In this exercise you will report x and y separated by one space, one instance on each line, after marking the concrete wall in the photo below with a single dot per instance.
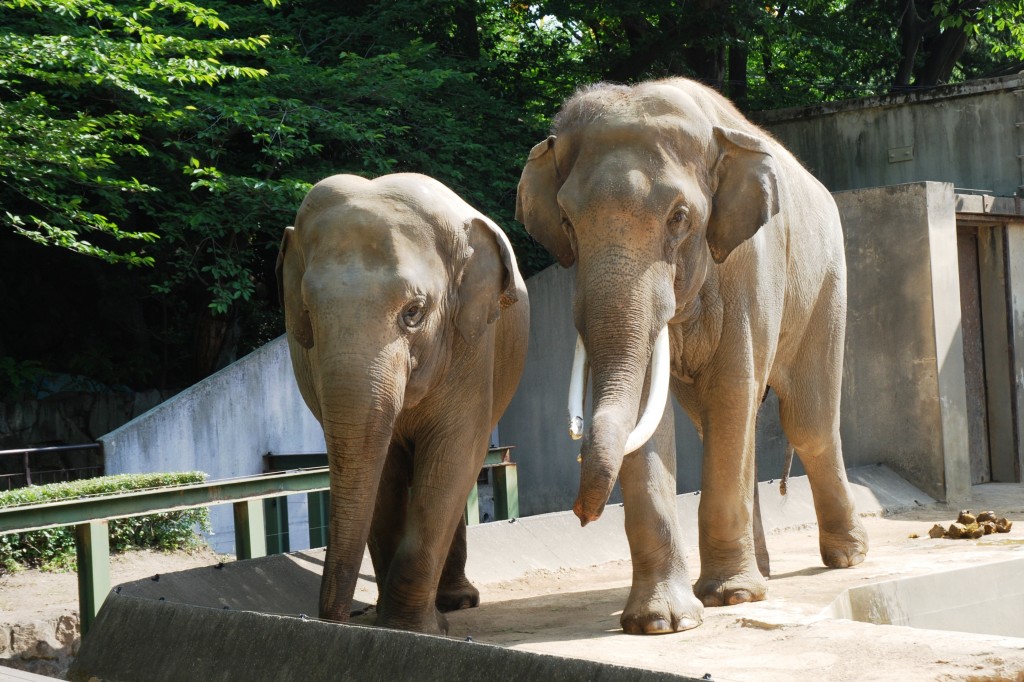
904 400
967 134
223 426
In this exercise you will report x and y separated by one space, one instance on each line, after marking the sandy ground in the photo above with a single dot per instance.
28 594
788 637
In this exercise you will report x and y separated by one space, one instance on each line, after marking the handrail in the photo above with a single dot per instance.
52 448
27 452
105 507
91 516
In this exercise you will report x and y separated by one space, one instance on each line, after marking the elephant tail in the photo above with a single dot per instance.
786 466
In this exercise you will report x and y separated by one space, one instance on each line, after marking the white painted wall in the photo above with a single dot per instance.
224 425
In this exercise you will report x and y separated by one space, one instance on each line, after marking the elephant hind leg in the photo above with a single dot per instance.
809 412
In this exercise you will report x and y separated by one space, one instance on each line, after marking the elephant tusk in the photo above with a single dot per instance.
656 397
577 387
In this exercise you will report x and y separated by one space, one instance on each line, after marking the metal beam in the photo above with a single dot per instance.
19 519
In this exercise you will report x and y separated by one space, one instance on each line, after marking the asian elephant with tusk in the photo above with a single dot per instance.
407 322
700 240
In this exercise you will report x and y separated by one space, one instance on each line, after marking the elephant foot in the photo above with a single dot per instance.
460 594
433 622
661 608
724 588
844 548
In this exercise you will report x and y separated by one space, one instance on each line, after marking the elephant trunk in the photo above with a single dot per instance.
358 416
619 348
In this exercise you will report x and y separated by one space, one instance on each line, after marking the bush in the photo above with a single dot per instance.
54 548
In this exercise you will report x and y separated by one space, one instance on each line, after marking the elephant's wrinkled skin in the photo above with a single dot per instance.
678 211
407 324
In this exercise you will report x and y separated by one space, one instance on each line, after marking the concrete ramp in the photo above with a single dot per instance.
161 641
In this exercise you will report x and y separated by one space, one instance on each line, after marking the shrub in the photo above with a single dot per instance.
54 548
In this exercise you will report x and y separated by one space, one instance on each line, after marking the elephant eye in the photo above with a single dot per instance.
413 314
679 217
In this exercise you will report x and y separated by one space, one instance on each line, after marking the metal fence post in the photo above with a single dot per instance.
92 546
250 529
506 491
472 512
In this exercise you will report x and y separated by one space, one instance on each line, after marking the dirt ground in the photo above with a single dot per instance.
785 638
27 594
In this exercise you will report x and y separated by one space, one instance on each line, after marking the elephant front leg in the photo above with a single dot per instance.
729 572
444 471
660 598
347 536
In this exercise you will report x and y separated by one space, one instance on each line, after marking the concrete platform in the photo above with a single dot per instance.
554 590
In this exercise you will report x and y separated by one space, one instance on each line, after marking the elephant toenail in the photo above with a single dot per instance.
657 627
687 624
739 597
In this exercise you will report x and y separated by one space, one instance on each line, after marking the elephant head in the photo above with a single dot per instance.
647 190
385 283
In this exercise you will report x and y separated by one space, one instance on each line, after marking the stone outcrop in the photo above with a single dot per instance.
45 644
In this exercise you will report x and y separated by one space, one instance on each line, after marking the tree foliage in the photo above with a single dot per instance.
178 139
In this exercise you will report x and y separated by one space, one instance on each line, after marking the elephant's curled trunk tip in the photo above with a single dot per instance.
584 515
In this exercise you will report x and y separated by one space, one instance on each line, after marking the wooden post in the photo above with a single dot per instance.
92 547
250 529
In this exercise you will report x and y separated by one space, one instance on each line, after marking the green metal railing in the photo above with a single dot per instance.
91 515
498 464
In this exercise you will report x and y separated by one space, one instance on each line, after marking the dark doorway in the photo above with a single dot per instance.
974 354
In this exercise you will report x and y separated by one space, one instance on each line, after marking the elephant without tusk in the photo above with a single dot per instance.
407 322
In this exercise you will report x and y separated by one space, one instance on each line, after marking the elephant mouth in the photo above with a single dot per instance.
657 394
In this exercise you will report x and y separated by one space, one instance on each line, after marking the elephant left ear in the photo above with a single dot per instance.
747 194
490 277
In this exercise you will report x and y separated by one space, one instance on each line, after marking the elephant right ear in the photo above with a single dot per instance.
537 203
289 291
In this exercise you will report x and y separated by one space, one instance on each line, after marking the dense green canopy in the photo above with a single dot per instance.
151 151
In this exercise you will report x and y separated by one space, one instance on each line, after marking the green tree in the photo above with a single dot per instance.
79 79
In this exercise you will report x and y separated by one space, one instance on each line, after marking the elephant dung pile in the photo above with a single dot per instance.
969 526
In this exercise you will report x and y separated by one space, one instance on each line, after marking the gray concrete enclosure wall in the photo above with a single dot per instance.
904 401
967 134
224 425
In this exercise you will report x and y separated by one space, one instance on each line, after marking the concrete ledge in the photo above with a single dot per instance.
555 541
141 639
